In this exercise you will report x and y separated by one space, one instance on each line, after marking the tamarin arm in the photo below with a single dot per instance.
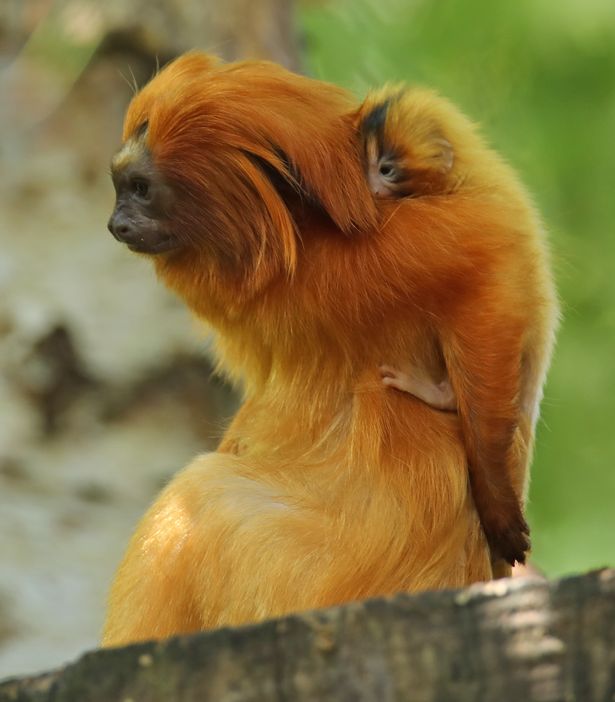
484 368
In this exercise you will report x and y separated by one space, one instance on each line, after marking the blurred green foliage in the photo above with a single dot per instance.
540 77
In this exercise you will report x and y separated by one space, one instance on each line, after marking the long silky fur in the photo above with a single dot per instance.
327 486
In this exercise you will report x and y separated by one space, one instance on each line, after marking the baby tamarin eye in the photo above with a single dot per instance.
386 177
383 172
387 171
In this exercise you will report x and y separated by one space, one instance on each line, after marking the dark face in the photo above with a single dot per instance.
143 206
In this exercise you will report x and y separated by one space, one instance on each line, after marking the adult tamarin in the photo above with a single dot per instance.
245 184
414 149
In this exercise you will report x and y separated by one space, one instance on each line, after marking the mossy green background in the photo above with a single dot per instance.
539 75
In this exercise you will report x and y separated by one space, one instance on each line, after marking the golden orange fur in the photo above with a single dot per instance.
327 487
417 145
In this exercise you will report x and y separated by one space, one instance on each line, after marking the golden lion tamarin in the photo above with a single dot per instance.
246 186
412 150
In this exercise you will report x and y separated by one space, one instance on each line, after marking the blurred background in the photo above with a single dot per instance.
105 383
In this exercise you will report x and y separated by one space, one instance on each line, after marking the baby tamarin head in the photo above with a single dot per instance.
407 148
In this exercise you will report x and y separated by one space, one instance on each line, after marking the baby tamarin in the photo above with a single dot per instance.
410 151
407 155
245 186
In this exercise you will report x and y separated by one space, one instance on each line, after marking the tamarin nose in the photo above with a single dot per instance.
119 226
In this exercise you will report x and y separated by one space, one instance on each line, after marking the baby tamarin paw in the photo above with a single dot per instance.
413 381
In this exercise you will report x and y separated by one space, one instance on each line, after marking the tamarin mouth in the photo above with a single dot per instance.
145 246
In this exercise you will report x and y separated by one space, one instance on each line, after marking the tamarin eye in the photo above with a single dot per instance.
388 171
140 187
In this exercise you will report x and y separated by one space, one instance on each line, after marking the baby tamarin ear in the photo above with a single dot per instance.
406 149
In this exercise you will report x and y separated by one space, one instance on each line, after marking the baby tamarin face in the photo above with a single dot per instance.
405 149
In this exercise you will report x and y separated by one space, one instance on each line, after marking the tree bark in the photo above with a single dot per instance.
506 641
104 383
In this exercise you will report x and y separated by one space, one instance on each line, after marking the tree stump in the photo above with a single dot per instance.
506 641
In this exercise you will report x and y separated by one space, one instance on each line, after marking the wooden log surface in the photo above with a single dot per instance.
519 640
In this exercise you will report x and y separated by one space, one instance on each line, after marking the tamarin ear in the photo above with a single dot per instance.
444 154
